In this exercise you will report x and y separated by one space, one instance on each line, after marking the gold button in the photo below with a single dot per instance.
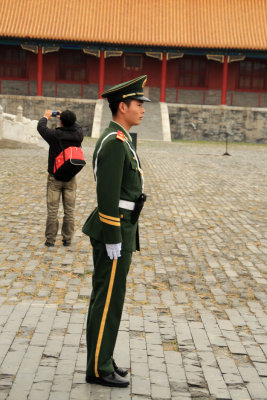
134 158
136 168
121 215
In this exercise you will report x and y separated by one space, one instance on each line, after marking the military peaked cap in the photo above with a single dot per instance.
127 90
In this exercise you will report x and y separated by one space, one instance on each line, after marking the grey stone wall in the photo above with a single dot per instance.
192 122
251 99
241 99
153 93
33 108
23 88
14 87
90 91
213 97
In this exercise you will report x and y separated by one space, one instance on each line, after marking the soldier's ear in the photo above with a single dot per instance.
123 107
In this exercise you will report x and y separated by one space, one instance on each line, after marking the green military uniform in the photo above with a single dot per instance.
119 184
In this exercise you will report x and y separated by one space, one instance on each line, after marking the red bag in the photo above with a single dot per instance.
68 163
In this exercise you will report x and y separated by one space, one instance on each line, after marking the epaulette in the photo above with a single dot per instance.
120 136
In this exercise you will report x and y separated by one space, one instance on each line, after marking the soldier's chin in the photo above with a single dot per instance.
137 122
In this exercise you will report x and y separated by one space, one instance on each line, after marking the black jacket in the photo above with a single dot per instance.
69 136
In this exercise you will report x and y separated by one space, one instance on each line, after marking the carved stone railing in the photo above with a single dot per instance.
19 128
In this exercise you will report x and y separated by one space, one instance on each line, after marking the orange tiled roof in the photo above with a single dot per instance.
177 23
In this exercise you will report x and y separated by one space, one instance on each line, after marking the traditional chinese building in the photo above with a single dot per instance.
199 52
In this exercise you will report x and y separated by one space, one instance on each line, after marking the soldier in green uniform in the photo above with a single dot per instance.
112 228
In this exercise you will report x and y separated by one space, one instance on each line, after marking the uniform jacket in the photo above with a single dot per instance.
69 136
117 177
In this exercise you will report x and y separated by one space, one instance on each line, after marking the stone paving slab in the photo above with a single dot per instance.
195 321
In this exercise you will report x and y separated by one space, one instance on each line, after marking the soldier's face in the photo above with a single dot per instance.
134 112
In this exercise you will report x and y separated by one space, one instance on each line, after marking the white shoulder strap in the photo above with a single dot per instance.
100 147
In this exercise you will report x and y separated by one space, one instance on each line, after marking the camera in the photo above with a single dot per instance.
55 113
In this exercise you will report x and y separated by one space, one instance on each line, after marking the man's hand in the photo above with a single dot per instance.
114 250
48 114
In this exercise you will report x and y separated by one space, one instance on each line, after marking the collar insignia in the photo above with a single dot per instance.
120 136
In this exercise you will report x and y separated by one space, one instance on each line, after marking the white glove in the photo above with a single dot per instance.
114 250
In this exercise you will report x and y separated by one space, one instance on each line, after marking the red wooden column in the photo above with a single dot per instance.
101 73
163 78
40 71
224 80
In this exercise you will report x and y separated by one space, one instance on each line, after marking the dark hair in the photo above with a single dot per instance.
68 118
114 106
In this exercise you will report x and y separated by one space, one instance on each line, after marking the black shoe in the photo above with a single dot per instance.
66 242
113 380
120 371
48 244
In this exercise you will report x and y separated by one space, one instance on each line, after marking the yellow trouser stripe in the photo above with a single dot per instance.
108 217
107 221
104 316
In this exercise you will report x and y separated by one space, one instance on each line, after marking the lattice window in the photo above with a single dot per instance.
72 66
192 72
252 75
13 62
133 62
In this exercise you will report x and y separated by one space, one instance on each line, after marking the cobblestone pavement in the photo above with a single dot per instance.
194 323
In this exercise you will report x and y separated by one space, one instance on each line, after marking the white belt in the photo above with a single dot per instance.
127 205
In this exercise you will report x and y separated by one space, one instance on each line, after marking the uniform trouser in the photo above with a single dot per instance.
54 191
105 309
